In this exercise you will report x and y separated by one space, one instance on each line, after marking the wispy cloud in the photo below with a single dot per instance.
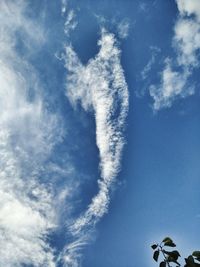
28 133
145 72
173 84
70 23
30 207
101 88
123 28
186 42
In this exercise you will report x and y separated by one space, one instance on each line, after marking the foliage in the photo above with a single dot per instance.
170 257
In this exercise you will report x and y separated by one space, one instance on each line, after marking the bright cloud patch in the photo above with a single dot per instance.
27 137
189 7
31 208
186 42
101 88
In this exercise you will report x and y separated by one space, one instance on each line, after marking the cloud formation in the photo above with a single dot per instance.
186 42
154 53
123 28
28 133
29 204
100 87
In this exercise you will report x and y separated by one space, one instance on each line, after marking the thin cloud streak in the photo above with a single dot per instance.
101 88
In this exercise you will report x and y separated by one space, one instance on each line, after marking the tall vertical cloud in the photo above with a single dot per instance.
186 42
101 88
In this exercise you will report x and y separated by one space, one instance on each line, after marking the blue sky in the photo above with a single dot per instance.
99 131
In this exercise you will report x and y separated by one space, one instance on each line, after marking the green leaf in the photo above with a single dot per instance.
196 254
167 239
156 255
168 242
172 254
190 262
154 246
163 264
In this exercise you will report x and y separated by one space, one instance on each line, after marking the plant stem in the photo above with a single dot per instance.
164 256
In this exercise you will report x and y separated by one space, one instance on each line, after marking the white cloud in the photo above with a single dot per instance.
186 42
13 20
172 85
123 29
69 15
64 7
149 65
189 7
28 133
70 23
101 88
